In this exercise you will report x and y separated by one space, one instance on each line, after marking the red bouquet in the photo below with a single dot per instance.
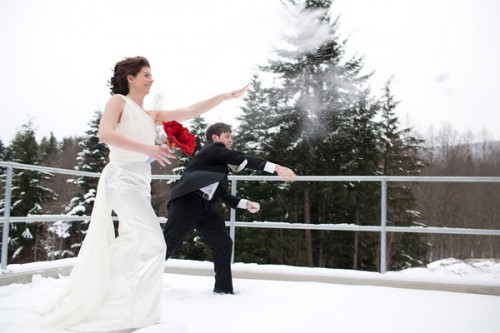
173 135
178 136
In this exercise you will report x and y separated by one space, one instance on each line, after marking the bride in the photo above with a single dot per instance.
116 282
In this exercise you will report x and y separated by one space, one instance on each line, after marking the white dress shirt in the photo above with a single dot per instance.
210 189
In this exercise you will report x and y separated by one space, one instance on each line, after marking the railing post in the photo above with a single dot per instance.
383 224
232 219
6 215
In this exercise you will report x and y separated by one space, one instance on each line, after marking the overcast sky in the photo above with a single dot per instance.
57 56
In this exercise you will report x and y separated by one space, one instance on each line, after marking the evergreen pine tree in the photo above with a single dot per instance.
48 148
319 111
254 137
253 134
3 151
400 157
362 200
27 199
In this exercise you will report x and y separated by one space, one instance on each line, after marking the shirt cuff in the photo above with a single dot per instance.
242 204
269 167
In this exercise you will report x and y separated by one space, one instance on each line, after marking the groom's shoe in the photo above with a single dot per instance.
223 292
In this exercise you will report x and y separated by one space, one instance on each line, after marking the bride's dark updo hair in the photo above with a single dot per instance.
128 66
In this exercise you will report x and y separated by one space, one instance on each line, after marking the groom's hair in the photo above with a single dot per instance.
217 129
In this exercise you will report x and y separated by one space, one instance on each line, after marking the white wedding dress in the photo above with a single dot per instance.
116 282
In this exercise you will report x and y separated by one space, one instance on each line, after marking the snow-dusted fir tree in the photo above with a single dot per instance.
255 136
400 157
316 100
4 151
27 198
93 157
48 148
320 119
259 110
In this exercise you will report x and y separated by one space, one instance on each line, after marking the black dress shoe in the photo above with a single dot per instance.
223 292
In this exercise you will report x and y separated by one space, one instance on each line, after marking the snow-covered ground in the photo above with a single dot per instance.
287 306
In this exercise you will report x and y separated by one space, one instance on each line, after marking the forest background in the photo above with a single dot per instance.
308 108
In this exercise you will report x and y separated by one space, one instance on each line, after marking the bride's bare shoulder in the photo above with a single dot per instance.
115 102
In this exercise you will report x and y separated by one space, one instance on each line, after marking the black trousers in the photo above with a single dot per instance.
192 211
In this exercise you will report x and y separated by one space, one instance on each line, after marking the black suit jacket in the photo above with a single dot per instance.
210 165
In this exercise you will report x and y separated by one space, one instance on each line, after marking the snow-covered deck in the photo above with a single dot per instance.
276 299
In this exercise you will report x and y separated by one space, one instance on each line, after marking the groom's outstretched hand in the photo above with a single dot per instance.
285 173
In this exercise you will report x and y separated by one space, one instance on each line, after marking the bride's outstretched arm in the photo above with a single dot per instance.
108 134
197 108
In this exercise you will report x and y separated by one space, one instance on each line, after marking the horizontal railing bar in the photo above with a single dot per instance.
49 169
303 226
165 177
69 171
343 178
401 179
46 218
53 218
444 179
445 230
354 227
284 225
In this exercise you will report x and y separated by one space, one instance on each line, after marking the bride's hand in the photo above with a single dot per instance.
235 93
160 154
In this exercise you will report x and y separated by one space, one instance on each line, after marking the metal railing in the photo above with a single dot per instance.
232 223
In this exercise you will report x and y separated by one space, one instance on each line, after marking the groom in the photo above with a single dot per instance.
201 185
